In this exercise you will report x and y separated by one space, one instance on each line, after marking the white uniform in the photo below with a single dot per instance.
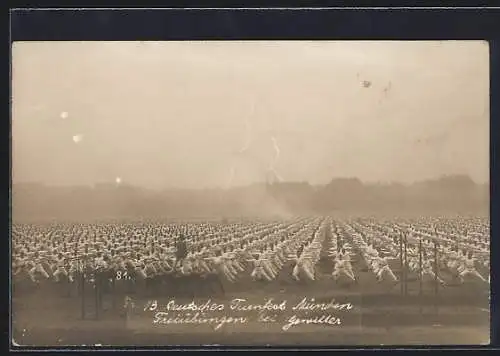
385 270
343 267
303 267
259 272
470 269
427 269
60 268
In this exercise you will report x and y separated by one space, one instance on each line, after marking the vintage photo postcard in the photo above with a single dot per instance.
283 193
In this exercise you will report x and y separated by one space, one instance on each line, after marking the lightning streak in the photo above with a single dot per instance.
275 174
276 148
276 157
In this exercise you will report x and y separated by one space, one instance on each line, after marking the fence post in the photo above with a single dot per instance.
96 293
420 269
436 269
113 290
68 283
82 287
406 263
401 272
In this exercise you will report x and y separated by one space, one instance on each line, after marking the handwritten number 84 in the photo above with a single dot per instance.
122 275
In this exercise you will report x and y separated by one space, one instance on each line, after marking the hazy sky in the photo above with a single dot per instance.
163 114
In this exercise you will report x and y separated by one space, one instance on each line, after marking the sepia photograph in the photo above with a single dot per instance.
254 193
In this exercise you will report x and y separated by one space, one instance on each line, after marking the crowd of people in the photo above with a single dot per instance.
256 251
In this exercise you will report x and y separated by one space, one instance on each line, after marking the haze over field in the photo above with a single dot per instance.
449 195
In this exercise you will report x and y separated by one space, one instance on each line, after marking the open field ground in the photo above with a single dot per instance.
412 310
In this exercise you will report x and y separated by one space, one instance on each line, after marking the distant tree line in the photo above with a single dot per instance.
448 194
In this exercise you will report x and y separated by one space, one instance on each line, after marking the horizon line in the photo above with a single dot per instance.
296 182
